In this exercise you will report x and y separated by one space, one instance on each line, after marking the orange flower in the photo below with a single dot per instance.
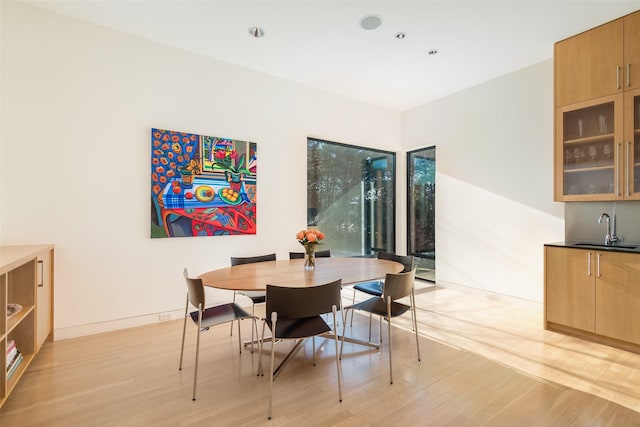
305 237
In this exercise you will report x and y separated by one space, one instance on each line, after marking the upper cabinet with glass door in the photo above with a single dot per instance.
597 91
631 145
587 155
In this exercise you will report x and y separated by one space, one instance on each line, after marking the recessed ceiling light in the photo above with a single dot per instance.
401 35
256 32
371 22
432 51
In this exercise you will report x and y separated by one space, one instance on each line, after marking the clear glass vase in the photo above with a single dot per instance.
310 257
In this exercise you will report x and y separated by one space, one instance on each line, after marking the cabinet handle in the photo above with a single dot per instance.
628 74
628 159
598 265
588 264
618 172
41 281
618 77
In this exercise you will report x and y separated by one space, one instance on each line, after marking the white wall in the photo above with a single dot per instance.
78 103
494 183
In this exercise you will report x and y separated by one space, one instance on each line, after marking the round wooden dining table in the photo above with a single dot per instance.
291 273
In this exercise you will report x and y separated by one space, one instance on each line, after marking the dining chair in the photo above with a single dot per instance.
396 286
295 314
204 318
318 254
375 287
256 297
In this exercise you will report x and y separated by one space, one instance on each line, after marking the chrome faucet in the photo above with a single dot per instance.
610 237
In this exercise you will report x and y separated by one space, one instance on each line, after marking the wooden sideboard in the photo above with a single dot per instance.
26 281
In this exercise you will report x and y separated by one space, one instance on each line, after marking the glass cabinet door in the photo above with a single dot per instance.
590 156
632 145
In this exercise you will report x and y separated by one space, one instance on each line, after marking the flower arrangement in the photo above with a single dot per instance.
310 239
306 237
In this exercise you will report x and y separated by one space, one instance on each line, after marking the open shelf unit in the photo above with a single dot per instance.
26 279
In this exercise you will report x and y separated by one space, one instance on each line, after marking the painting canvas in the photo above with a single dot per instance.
202 185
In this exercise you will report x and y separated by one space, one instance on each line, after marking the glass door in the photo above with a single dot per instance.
351 197
589 152
378 214
632 145
421 210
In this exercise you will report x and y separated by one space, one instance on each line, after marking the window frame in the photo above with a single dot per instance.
393 162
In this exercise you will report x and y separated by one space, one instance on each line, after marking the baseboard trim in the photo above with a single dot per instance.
483 292
116 324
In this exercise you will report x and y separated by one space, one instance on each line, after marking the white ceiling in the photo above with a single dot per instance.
321 44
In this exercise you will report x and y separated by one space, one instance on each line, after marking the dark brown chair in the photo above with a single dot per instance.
204 318
295 313
375 287
396 286
319 254
256 297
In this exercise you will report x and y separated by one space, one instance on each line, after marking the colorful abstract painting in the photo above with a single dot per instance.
202 185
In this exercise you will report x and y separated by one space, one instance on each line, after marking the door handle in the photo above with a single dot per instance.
628 164
617 172
618 77
598 265
628 74
41 279
588 264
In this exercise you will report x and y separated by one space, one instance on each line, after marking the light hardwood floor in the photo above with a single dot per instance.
485 361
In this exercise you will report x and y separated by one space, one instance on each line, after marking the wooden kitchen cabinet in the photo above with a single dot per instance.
597 98
594 294
599 62
618 296
589 157
631 51
597 149
589 65
26 280
631 145
570 288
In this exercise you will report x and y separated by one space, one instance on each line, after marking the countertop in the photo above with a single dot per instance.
619 246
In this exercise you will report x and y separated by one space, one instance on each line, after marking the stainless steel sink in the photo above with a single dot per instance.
601 246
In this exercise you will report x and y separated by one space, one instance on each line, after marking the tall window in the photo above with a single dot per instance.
421 210
351 197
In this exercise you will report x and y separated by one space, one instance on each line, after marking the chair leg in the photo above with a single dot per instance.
353 301
389 334
234 301
255 326
415 322
274 319
253 313
370 316
335 336
239 337
261 345
313 348
344 328
413 315
184 330
195 371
